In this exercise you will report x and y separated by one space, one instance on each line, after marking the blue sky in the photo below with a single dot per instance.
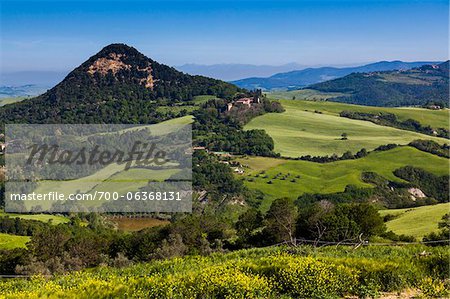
59 35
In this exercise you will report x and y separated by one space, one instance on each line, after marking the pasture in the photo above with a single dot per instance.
296 177
433 118
203 98
416 222
54 219
8 241
306 128
113 177
302 94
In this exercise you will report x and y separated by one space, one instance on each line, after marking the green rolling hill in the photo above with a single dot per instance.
315 128
311 177
416 222
418 86
313 101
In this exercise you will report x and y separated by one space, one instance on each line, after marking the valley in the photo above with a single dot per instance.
277 177
315 128
224 149
299 177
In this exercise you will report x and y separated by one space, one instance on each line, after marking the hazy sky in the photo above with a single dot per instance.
59 35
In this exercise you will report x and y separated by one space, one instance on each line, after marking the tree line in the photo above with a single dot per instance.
391 120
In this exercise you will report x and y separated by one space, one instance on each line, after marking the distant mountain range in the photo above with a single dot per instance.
117 85
39 78
29 90
235 71
301 78
427 84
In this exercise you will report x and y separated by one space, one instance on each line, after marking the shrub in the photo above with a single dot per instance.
432 288
380 275
306 277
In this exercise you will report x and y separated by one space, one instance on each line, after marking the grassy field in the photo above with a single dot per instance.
113 177
11 241
297 132
6 101
132 180
331 177
433 118
203 98
303 94
176 109
416 222
82 185
55 219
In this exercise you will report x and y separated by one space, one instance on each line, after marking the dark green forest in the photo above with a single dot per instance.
119 97
373 89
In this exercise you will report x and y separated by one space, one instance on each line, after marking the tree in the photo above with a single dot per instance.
367 218
49 242
344 136
324 221
173 246
248 223
443 236
280 221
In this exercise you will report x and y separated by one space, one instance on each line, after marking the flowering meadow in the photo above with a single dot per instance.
278 272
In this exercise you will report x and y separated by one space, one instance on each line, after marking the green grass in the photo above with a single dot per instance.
6 101
332 177
82 185
203 98
303 94
132 180
433 118
161 128
55 219
113 177
8 241
297 132
176 109
416 222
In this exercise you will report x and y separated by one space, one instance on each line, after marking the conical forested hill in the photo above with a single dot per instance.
117 85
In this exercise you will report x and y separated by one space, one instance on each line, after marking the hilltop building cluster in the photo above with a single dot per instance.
244 102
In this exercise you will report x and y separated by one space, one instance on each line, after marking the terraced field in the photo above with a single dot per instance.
416 222
309 177
314 128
